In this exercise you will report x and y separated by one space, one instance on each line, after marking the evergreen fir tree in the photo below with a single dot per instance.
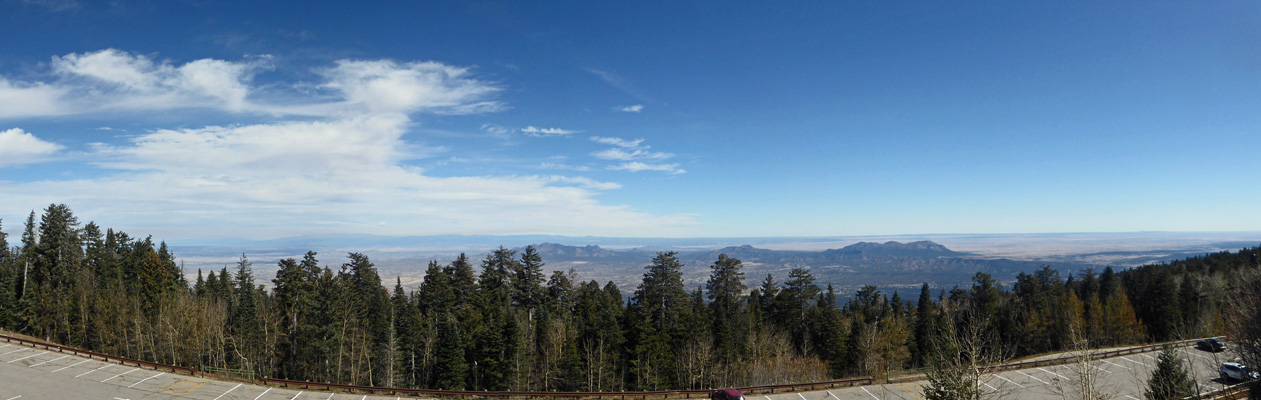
1169 381
244 318
452 369
923 327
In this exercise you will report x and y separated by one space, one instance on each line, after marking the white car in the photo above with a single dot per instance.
1237 372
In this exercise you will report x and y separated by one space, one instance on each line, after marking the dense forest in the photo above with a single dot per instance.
501 323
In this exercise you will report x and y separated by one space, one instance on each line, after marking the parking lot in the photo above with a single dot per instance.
1123 377
39 374
31 373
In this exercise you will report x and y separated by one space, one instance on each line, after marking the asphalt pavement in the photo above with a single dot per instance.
29 373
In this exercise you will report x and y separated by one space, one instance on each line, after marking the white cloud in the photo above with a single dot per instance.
546 132
584 182
112 80
21 147
338 176
630 150
630 144
636 166
633 109
560 166
388 86
623 155
498 131
342 171
303 148
31 100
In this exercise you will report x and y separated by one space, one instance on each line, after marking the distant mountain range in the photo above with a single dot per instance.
889 264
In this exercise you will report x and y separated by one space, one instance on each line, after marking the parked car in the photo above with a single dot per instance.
1237 372
726 394
1213 345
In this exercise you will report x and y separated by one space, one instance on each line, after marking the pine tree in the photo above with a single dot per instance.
527 281
923 327
8 286
372 305
794 305
725 290
294 291
433 291
1169 381
451 369
660 305
244 319
829 334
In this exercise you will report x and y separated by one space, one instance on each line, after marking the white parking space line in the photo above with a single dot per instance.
260 395
869 394
1201 356
145 379
7 345
14 397
829 394
1033 377
300 393
1136 362
1144 355
1119 365
14 351
23 358
1052 373
1009 380
68 366
988 386
1131 397
1096 367
229 390
98 369
125 373
802 397
45 362
330 397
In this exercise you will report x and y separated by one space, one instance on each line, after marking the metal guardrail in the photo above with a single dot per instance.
95 355
244 373
1237 391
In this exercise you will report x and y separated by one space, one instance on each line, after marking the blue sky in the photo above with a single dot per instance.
219 119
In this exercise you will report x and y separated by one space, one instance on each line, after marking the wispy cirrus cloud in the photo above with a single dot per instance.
637 154
630 109
562 166
20 147
636 166
632 144
630 151
546 132
620 83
